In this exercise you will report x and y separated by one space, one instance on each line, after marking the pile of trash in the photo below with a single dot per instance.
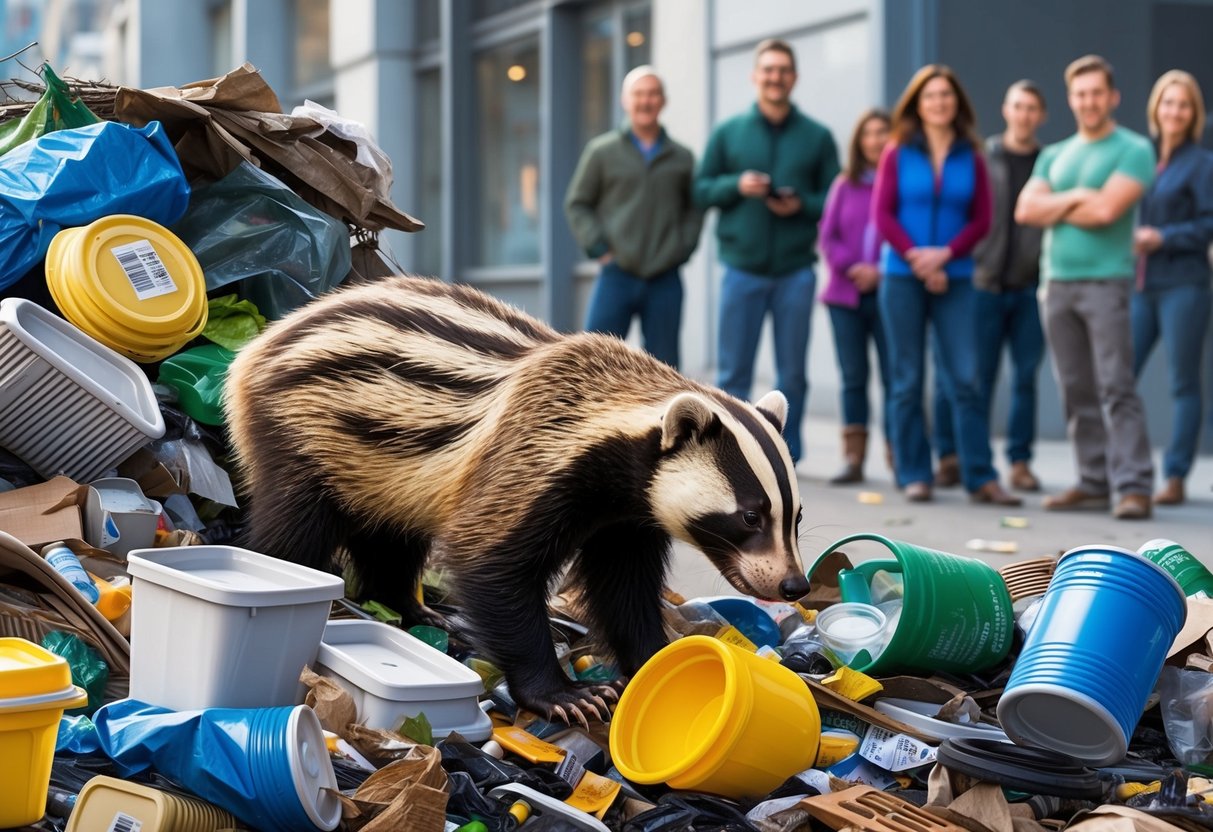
155 676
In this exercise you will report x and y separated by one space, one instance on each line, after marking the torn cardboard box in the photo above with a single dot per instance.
44 513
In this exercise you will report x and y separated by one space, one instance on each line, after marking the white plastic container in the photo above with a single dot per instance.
68 404
392 675
223 627
118 517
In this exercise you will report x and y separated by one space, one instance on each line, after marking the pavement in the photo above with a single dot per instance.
950 522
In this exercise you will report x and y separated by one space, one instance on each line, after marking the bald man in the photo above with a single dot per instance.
630 206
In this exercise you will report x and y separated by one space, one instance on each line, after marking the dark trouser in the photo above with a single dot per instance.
1011 318
906 307
1087 324
854 330
619 296
1180 316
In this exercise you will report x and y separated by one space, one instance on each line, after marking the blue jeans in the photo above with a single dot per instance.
853 330
906 308
745 299
619 296
1011 318
1179 315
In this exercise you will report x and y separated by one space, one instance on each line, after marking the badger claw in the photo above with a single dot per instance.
576 709
559 710
605 708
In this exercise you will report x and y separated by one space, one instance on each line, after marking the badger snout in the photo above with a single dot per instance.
794 586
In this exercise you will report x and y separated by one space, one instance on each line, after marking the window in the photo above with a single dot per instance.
429 20
637 36
312 67
598 87
221 37
507 110
429 172
487 8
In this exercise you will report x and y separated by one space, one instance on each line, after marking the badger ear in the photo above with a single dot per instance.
774 406
687 417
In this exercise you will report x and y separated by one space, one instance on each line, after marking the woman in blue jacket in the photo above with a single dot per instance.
1172 241
932 205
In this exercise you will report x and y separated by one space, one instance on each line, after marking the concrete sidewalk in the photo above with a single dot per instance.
950 522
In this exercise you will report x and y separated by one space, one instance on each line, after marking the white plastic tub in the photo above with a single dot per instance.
392 675
68 404
118 517
223 627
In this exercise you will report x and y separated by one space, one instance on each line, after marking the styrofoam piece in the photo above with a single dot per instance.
118 517
392 675
223 627
69 404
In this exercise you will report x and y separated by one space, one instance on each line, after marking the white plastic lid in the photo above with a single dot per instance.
311 768
921 715
233 577
387 662
851 626
60 699
1050 716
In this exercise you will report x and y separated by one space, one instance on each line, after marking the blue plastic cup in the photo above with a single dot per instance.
267 766
1093 655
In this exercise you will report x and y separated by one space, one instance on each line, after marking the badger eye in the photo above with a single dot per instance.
750 518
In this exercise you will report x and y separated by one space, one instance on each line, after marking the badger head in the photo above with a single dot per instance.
726 484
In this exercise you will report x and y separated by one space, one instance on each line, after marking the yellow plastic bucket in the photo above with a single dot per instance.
130 283
707 716
35 688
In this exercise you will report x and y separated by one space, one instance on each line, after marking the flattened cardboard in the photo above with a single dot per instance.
44 513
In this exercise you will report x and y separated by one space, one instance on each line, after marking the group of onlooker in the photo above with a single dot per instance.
927 228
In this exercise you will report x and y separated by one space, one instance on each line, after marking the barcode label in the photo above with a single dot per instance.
144 269
570 769
123 822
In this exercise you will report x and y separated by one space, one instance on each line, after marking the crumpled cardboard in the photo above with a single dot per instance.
218 123
977 806
331 702
44 513
1123 819
410 793
1192 637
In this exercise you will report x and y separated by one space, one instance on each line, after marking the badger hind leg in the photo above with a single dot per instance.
621 572
388 564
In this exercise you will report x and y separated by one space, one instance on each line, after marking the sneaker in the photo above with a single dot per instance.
1133 507
918 492
1022 478
948 475
1075 499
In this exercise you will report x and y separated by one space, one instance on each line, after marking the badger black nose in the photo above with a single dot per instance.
794 587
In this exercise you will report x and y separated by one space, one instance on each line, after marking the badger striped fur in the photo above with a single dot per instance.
385 417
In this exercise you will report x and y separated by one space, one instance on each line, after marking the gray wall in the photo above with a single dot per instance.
991 44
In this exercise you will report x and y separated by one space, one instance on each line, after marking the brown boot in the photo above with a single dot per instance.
1172 494
948 474
1133 507
854 449
1022 478
993 494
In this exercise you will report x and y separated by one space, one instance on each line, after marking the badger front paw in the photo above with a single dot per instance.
574 704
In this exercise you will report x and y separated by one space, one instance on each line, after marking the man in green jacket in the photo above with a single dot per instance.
630 206
768 170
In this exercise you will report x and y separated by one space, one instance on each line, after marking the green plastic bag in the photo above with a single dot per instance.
55 110
89 670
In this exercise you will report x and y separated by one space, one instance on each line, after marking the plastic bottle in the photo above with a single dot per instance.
520 811
115 596
65 562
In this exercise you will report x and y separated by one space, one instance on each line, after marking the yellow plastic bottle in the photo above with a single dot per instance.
115 597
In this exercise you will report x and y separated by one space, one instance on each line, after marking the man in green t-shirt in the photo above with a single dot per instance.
1082 192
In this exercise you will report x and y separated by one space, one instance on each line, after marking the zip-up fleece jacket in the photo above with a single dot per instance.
915 208
990 255
642 213
798 154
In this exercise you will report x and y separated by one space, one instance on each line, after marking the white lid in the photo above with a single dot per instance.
311 768
1049 716
59 699
233 577
921 716
387 662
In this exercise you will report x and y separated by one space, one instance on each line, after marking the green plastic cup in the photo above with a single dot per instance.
1192 576
956 613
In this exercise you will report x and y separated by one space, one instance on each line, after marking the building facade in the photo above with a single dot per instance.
484 105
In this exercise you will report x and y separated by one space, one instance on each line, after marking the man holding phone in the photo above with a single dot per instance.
768 170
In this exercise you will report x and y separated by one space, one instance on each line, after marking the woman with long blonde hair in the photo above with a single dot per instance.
1172 301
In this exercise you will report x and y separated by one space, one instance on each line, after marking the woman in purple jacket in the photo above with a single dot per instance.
849 243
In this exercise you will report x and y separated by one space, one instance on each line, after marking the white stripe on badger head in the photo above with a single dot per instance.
691 485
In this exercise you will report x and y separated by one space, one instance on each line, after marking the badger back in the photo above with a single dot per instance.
402 365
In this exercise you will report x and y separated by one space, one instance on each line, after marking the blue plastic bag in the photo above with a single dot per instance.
269 767
77 735
72 177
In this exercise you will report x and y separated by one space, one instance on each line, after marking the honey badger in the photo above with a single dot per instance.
384 417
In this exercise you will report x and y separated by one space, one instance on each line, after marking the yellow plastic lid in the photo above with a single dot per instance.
29 670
